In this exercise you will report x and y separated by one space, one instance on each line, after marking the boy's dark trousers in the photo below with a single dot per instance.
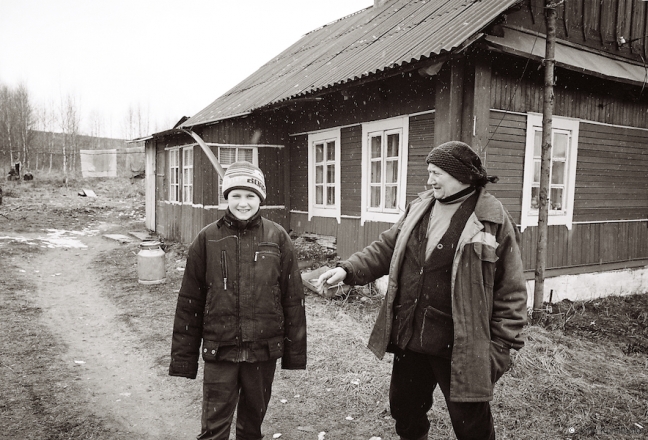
227 383
414 378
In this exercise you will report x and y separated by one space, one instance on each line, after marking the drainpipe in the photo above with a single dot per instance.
207 151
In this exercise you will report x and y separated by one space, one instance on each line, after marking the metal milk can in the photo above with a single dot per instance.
150 263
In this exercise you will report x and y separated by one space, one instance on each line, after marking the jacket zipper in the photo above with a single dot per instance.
239 330
224 268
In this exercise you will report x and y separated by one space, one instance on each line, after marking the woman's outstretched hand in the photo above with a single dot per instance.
331 277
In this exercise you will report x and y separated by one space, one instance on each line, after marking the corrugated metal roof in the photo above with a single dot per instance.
365 43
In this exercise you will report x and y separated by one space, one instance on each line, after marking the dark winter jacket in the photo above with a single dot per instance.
242 296
488 289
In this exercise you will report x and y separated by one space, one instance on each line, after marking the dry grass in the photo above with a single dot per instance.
561 385
572 380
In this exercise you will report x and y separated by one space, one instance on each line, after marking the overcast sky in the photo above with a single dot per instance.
170 58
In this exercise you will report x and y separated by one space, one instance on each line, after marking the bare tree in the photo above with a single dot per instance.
69 122
25 123
46 122
7 122
136 122
96 127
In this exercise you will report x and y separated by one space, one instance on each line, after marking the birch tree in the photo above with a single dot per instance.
25 120
69 122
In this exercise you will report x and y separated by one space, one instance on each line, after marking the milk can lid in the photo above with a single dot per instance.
149 244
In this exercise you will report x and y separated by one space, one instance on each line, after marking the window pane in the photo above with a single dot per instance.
556 198
319 194
330 151
227 156
535 197
246 154
390 197
560 143
376 146
319 152
319 174
392 144
375 197
330 174
537 143
391 171
536 171
375 172
330 195
558 173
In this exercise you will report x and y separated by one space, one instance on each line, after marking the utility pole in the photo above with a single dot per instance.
545 159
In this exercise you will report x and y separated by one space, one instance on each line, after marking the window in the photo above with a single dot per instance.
324 174
174 175
384 177
229 155
562 173
187 175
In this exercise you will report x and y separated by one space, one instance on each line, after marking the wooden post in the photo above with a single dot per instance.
545 166
449 105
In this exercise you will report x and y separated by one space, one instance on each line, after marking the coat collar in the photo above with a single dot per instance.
232 222
488 208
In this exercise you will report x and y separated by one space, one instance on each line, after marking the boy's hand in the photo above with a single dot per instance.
331 277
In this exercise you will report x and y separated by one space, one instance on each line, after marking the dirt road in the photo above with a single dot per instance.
119 380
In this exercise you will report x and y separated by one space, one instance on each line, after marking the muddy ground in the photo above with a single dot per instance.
84 351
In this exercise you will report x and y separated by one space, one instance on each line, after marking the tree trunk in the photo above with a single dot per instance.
545 161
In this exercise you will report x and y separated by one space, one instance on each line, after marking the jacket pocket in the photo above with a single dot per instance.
488 257
267 260
209 350
276 347
436 336
500 360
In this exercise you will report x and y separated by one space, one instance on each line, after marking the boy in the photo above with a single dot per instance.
242 296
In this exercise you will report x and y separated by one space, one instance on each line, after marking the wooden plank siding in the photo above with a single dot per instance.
611 174
504 158
516 86
421 141
624 198
351 170
299 172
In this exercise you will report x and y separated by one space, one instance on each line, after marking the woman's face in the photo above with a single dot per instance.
243 204
442 183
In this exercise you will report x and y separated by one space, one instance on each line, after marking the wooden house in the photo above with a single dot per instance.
341 122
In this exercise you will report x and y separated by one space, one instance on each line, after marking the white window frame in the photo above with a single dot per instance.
174 175
222 203
324 210
563 216
187 174
386 126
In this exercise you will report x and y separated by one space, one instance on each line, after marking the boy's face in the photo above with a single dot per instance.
243 203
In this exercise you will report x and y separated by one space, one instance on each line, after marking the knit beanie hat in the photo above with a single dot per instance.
461 162
244 175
